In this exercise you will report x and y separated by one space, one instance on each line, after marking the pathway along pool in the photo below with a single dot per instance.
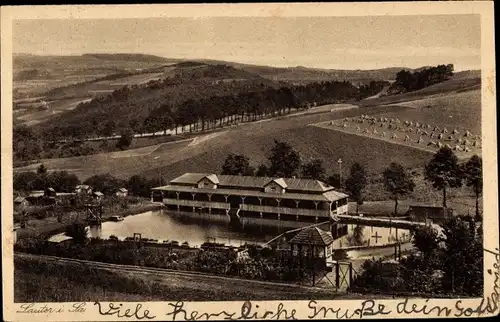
197 229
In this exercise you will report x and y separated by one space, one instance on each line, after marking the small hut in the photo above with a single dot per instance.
97 195
436 214
83 189
312 242
20 204
122 192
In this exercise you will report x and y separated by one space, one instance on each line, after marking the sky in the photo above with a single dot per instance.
321 42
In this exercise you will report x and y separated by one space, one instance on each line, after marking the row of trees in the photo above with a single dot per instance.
221 110
62 181
371 89
423 78
444 172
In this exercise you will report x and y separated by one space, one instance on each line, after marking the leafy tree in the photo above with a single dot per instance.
426 240
356 183
78 232
334 180
42 169
139 186
24 181
284 160
473 173
238 165
313 170
462 258
398 182
109 127
261 171
62 181
125 139
444 171
105 183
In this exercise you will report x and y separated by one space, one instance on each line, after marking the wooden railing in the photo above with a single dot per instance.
196 203
286 211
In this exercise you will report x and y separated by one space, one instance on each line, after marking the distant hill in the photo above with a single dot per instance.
132 57
301 74
35 75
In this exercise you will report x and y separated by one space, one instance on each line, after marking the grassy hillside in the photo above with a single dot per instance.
252 139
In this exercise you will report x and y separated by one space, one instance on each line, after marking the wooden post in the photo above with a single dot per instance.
350 274
337 275
313 266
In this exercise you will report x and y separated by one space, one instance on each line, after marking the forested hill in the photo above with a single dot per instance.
191 94
132 104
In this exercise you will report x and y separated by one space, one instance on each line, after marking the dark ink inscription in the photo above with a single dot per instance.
246 312
33 308
368 308
122 312
406 308
178 313
77 308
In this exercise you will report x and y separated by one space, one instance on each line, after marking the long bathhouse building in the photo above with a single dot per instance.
289 199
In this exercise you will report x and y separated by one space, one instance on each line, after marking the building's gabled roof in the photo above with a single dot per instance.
296 184
312 236
122 190
190 178
97 193
82 186
280 182
50 189
243 182
212 177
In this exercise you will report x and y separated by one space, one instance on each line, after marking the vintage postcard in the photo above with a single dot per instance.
249 161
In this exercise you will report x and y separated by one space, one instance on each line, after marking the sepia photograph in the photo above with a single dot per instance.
216 156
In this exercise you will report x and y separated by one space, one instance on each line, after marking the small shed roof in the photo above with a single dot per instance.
19 199
36 193
123 190
59 238
98 193
312 236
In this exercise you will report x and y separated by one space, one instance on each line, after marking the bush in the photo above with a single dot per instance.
78 232
380 276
